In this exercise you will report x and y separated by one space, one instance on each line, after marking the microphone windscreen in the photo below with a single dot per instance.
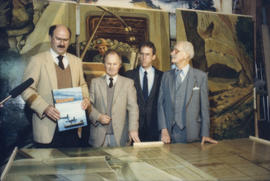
20 88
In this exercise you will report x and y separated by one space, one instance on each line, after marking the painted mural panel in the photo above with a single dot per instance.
19 43
224 49
24 21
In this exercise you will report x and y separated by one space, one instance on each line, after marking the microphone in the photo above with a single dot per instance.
19 89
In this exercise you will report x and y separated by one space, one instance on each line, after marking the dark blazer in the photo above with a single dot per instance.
197 105
148 128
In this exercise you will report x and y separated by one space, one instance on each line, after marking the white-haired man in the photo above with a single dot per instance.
183 107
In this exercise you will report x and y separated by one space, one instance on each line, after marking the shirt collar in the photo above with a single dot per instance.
149 70
54 54
108 78
184 70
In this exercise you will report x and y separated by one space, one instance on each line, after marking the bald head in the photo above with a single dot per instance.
112 62
53 27
59 37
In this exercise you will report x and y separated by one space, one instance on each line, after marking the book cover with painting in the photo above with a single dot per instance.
68 102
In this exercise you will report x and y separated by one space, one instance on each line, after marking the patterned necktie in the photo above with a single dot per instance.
145 86
111 82
60 63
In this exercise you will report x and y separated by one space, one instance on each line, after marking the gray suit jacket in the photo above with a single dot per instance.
39 95
197 105
125 112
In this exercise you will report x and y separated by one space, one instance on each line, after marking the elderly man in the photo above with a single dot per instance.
183 107
53 69
114 116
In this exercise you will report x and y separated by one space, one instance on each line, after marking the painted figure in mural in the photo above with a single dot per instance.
53 69
183 107
147 82
102 46
114 116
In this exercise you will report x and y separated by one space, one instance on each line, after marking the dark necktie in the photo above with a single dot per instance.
60 63
145 86
111 82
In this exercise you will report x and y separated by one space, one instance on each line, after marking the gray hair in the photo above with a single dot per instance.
187 47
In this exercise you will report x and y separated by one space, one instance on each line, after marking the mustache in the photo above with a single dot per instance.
60 46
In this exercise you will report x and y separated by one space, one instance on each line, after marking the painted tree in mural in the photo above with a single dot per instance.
17 19
224 49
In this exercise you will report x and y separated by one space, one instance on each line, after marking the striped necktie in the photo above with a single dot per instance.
178 78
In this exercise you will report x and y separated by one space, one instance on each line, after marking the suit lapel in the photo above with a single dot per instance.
72 70
103 90
117 89
50 68
138 81
172 85
154 85
190 84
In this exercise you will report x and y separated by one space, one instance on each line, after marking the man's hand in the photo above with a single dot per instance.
104 119
52 113
85 103
165 137
208 139
133 135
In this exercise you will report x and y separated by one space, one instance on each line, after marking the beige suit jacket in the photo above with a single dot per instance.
125 112
39 95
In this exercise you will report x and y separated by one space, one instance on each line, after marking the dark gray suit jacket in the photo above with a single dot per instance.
148 129
197 104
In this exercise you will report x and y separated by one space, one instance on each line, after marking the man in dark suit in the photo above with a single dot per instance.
147 82
183 107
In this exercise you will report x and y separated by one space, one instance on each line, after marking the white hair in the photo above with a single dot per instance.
187 47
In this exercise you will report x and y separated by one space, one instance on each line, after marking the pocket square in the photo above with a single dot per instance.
196 88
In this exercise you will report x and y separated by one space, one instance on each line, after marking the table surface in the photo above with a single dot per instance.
238 159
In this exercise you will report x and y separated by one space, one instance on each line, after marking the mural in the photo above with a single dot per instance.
223 45
17 21
167 5
157 4
224 49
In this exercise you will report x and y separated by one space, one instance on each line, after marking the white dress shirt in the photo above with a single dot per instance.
108 79
55 59
184 72
150 77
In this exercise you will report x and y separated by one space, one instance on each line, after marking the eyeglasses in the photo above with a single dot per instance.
61 39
